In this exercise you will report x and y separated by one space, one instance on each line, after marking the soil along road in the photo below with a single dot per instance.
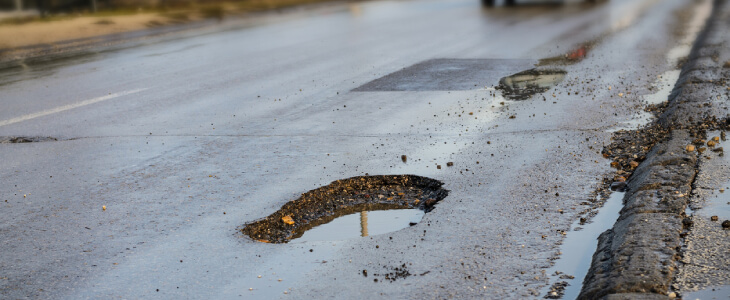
658 247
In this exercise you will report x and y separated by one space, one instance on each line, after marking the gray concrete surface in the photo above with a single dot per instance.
185 140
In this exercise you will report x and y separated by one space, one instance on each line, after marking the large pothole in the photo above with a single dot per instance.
346 197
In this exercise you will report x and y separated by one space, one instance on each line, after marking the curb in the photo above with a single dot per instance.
638 257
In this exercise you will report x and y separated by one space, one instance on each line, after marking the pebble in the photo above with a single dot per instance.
103 207
713 218
726 224
672 295
690 148
288 220
403 158
450 164
711 143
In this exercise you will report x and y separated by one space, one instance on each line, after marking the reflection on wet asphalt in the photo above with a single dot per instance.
364 223
577 249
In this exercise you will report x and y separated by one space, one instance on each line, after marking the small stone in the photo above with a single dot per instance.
711 143
713 218
450 164
103 207
403 158
672 295
726 224
701 149
259 276
438 167
690 148
614 164
288 220
512 116
250 289
716 139
620 94
633 164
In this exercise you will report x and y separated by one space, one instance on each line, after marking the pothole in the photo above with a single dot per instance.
25 139
364 205
523 85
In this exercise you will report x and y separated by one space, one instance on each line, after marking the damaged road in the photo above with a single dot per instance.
172 148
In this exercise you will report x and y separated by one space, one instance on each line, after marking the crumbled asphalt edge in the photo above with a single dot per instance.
25 139
343 197
638 258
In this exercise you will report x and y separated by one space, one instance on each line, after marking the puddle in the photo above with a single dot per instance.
25 139
524 84
718 204
692 29
578 248
369 194
664 85
361 224
719 293
573 56
640 119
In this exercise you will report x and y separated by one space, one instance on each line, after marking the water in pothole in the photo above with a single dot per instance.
365 223
578 247
523 85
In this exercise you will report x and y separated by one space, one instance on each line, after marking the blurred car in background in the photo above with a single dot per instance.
513 2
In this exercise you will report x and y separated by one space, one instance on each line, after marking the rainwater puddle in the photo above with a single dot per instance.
718 204
357 206
665 85
719 293
639 120
365 223
692 29
523 85
578 247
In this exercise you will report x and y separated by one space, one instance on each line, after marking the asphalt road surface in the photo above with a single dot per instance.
185 140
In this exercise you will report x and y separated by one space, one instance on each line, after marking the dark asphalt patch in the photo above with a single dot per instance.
523 85
25 139
448 75
343 197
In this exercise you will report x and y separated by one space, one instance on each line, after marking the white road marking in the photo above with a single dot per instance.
67 107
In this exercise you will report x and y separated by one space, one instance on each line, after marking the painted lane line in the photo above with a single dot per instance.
68 107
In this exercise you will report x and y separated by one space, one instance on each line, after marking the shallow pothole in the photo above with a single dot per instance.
523 85
25 139
347 198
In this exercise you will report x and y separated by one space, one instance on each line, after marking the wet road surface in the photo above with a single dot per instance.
184 141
